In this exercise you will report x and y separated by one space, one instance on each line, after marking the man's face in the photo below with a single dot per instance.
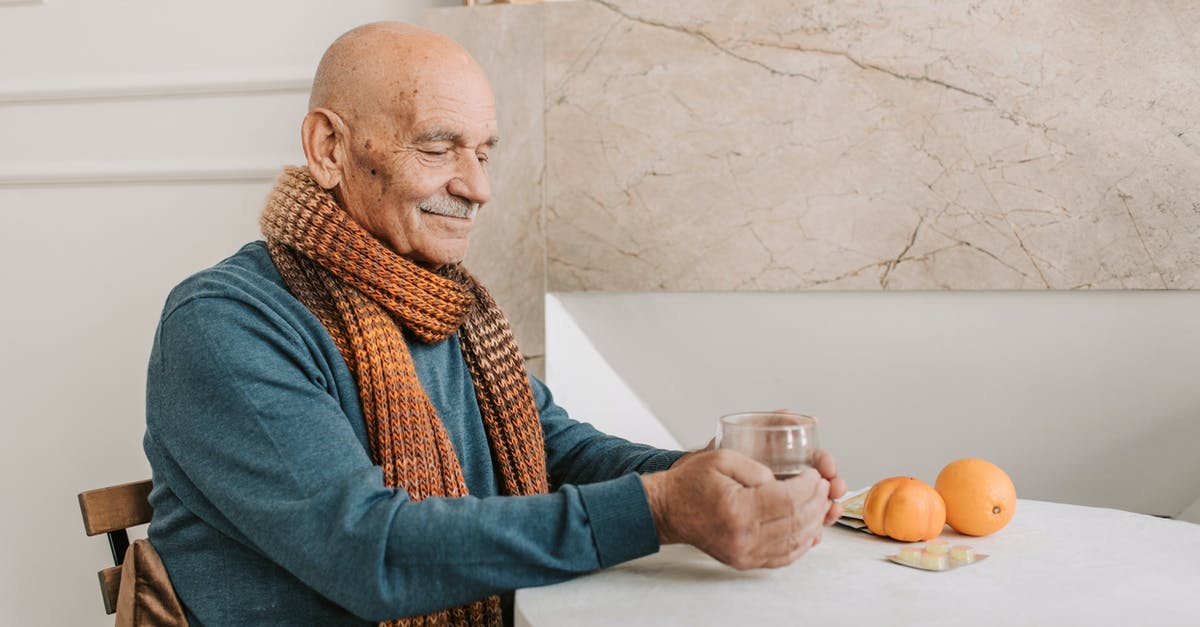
416 172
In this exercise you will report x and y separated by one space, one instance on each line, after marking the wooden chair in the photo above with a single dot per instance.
111 511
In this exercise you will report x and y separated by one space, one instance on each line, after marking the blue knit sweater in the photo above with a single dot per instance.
268 510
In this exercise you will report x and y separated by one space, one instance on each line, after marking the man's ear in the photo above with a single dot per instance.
322 134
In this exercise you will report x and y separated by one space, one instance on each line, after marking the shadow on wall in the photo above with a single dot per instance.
1084 398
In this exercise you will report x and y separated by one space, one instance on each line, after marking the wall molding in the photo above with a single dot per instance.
141 172
13 3
173 85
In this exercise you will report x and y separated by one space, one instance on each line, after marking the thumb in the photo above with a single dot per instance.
741 469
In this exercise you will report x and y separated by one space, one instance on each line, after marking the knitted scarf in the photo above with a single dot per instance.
364 294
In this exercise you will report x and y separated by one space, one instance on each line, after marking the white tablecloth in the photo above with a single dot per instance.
1053 564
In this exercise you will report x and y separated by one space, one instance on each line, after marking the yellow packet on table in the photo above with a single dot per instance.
853 503
852 509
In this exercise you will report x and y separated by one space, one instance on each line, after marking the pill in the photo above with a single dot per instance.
962 554
937 546
910 555
934 561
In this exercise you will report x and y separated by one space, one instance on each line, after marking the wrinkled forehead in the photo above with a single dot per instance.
407 83
454 100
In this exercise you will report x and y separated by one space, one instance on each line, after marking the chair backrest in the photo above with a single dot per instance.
111 511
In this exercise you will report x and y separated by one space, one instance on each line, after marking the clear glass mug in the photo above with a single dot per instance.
784 441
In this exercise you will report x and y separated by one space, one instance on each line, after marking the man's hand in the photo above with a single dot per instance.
712 444
827 466
734 509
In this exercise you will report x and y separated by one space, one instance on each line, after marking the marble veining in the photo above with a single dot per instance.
785 145
789 145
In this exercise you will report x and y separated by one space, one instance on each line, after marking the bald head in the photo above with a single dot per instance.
400 127
377 67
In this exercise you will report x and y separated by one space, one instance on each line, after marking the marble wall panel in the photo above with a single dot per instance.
784 145
794 144
508 246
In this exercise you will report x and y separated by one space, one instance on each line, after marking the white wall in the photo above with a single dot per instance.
137 141
1083 397
1192 513
585 384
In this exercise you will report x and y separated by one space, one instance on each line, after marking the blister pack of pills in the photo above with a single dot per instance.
937 555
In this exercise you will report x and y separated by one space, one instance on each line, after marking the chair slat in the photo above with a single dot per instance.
110 587
116 507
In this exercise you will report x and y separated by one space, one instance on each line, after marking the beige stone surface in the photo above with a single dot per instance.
785 145
789 145
508 246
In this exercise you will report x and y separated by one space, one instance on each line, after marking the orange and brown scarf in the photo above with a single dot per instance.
365 294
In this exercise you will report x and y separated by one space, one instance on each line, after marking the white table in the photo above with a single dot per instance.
1053 564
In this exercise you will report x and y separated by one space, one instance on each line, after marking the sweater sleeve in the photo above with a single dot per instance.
576 452
236 403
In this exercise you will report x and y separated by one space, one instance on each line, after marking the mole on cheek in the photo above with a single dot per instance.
372 171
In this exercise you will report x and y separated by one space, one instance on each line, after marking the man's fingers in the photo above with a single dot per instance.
740 468
784 560
791 496
837 488
803 497
774 500
781 543
834 513
818 506
825 464
775 536
823 487
808 486
797 545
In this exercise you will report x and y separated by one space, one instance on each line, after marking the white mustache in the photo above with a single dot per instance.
453 207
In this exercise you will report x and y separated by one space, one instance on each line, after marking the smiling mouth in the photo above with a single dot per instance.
449 207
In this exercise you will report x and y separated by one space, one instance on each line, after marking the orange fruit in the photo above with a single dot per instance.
904 508
980 498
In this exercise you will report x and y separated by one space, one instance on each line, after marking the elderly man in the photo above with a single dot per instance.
340 424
